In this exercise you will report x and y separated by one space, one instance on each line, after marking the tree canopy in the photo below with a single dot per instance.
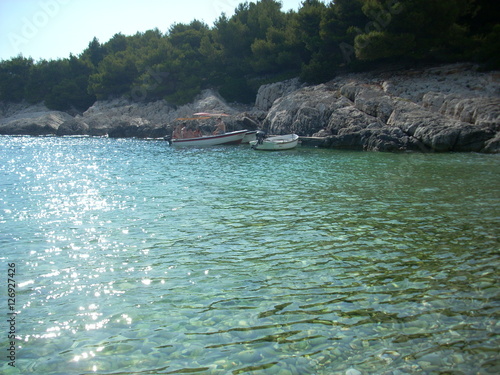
259 43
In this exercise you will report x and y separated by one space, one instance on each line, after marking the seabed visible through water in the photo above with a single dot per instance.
136 258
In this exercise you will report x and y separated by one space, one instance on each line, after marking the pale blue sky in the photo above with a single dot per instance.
51 29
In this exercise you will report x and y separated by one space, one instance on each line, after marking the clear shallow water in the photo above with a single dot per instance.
135 258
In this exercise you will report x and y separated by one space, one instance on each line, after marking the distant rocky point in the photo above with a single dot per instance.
439 109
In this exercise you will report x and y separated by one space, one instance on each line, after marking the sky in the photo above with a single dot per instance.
52 29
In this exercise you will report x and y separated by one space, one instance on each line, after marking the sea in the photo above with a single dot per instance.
128 256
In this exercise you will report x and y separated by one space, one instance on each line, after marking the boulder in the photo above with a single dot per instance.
73 126
305 111
473 138
33 123
349 117
374 139
267 94
492 146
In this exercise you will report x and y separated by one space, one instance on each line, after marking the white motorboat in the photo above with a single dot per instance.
276 143
249 136
231 138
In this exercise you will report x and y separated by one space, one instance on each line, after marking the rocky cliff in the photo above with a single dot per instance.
23 119
120 118
449 108
446 108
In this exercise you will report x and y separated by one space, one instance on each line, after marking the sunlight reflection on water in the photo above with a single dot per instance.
134 257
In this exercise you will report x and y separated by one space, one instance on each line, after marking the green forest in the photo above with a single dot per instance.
260 44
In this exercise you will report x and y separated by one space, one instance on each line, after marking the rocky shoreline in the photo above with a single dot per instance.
438 109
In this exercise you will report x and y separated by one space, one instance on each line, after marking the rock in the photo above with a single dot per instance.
340 115
349 118
445 108
305 111
352 371
375 139
433 100
122 118
458 79
129 127
36 120
349 140
391 140
267 94
428 110
73 126
438 138
372 100
478 111
492 146
431 130
249 123
474 138
210 101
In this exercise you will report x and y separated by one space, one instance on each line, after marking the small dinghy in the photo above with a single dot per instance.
275 143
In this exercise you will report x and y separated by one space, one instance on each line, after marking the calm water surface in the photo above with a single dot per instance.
136 258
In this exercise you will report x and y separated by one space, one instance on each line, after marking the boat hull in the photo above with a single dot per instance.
277 143
232 138
249 136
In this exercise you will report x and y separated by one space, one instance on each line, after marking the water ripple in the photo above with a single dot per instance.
137 258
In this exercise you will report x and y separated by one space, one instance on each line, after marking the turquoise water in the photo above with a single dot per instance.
135 258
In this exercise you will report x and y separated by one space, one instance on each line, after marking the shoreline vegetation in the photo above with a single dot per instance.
365 74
